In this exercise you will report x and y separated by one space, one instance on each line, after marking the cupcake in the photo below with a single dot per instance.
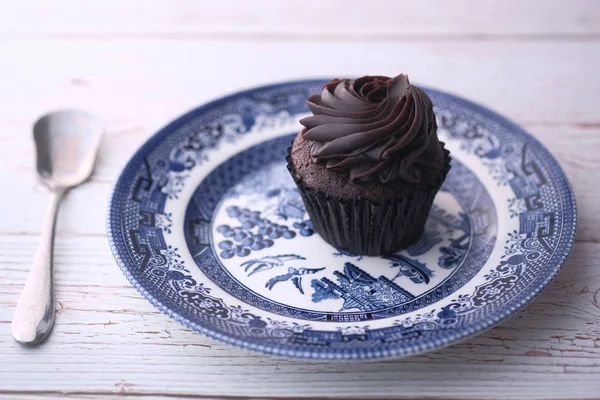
368 163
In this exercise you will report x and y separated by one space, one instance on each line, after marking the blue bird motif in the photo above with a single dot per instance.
269 262
295 275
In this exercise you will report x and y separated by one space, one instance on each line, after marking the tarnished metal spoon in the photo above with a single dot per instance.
67 143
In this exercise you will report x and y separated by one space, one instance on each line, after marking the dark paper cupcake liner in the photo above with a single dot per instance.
364 227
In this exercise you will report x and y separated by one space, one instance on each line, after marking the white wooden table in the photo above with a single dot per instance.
138 64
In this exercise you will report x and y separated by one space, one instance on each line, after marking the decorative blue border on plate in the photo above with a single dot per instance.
428 339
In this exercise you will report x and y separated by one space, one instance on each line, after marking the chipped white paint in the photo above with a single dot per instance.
139 64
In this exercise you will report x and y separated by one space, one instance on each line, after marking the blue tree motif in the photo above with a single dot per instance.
453 254
450 258
254 234
323 291
306 227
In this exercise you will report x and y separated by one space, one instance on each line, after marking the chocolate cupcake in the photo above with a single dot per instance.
368 163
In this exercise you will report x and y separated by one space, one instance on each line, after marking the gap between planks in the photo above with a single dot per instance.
283 37
22 394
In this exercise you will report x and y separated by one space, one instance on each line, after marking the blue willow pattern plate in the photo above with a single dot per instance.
207 224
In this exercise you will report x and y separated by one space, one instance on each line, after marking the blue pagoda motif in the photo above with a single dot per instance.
360 290
413 269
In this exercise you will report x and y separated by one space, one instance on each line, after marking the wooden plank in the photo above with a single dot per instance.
302 20
82 395
107 332
143 80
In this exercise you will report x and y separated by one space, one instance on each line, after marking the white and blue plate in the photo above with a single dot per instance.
207 224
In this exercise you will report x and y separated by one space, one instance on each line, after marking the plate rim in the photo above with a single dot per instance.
393 351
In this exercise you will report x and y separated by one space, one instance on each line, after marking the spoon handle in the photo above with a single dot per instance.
34 315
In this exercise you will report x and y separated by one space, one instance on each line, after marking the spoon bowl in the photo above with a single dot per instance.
66 142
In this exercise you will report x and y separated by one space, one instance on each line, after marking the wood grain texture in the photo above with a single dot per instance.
138 64
275 20
543 83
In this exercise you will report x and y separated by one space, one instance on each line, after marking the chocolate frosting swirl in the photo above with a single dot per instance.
375 127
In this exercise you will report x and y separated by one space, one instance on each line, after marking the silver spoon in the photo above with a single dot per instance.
67 143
